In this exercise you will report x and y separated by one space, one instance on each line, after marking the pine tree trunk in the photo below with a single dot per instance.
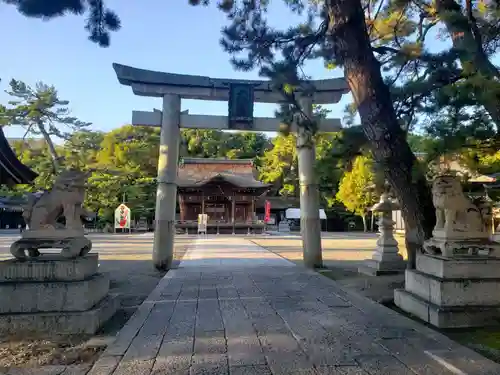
470 51
52 149
352 49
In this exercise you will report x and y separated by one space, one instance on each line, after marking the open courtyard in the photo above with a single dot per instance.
233 307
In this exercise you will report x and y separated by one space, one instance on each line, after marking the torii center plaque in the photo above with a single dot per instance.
240 106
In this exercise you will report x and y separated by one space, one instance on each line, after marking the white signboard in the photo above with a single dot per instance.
122 217
202 223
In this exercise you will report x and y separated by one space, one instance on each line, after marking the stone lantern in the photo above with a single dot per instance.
386 258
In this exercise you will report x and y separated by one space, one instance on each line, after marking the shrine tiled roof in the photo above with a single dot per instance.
12 171
195 172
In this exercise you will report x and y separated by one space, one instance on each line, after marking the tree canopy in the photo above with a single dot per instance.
355 191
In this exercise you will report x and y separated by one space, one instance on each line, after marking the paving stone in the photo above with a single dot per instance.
459 362
210 342
383 365
251 370
129 331
227 291
211 364
284 354
82 369
248 291
134 367
172 365
168 288
148 340
182 322
179 338
244 351
209 317
235 319
44 370
170 292
189 292
341 370
265 319
409 351
105 365
207 291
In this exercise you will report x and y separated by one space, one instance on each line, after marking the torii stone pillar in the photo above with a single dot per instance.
166 193
310 224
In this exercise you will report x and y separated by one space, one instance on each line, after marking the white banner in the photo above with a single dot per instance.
202 223
122 217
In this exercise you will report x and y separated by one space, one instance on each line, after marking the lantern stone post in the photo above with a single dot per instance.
386 259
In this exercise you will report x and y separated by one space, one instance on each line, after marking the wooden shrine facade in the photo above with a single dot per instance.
225 190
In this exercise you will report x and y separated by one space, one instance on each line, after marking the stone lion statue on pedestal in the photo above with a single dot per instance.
42 216
462 224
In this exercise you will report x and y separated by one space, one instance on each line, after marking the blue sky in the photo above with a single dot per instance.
175 38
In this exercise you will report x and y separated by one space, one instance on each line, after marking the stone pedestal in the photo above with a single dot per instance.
283 227
386 259
452 292
54 295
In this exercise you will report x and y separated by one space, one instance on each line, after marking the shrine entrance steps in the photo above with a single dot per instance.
235 308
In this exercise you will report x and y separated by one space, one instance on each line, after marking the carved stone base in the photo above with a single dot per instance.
53 294
447 317
452 292
74 322
71 246
50 296
52 233
372 267
449 247
48 267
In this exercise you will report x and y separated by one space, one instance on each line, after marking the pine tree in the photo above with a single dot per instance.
100 20
40 112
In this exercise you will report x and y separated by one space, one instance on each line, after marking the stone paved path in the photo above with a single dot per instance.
235 308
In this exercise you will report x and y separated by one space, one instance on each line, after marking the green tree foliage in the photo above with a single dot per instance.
100 20
40 112
124 162
355 191
279 166
215 143
429 83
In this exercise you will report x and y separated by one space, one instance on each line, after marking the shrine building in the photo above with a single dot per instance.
226 190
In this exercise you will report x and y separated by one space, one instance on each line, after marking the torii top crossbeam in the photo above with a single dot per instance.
151 83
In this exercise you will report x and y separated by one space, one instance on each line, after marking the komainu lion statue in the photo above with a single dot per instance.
456 213
42 215
462 224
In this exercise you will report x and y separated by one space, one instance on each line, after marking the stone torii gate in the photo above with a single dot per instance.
241 95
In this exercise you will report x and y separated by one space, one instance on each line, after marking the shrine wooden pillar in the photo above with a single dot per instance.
182 207
203 203
233 210
253 209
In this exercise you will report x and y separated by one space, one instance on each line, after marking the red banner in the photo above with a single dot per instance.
267 212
